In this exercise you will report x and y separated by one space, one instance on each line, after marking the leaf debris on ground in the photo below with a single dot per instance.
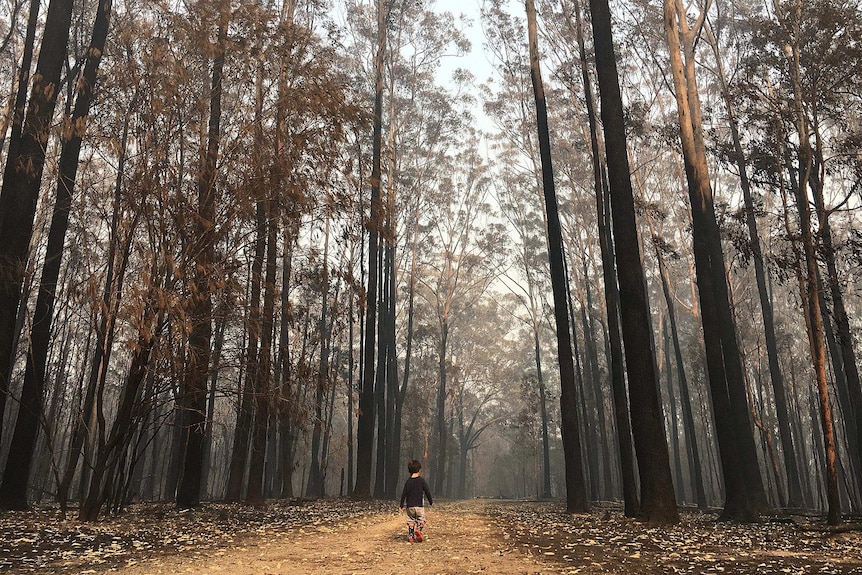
478 536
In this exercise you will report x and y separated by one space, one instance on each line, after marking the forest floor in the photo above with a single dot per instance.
341 537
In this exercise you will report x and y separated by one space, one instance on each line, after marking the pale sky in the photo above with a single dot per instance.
476 62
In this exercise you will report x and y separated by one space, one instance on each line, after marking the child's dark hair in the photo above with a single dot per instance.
413 466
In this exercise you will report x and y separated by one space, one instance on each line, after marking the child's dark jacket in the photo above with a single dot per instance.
414 488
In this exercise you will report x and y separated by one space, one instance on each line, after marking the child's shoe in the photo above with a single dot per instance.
418 537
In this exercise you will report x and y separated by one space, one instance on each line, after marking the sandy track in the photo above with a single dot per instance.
459 540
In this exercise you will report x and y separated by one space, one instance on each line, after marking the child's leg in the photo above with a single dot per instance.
420 522
411 526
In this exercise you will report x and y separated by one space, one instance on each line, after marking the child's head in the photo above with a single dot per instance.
413 466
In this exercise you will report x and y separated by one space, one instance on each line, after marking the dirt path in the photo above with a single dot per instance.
459 541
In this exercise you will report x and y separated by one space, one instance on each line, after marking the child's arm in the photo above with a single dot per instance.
403 497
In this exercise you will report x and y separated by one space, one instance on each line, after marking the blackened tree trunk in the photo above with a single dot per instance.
543 411
817 341
118 259
218 345
365 425
408 353
286 397
585 428
784 163
245 417
22 178
617 361
438 469
381 375
387 316
658 502
586 388
18 110
285 405
257 466
20 102
173 468
593 354
194 391
842 390
576 496
791 468
40 335
745 496
674 418
104 331
111 449
695 469
393 393
314 488
350 391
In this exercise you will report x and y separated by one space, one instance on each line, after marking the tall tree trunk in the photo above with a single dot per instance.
839 312
784 163
408 350
380 384
461 485
286 399
695 468
199 341
543 410
791 467
327 435
839 379
438 469
365 425
745 496
40 334
812 309
587 389
593 352
20 101
104 332
393 402
658 502
674 419
387 327
245 416
263 392
218 346
350 390
173 468
99 368
22 178
315 475
576 496
617 362
112 448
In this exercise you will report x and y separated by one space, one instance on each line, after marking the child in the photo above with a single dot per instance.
414 488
